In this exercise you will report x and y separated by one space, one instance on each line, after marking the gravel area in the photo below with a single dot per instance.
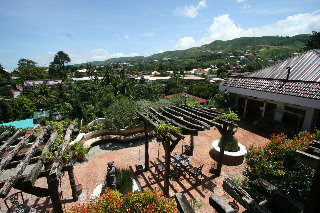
92 171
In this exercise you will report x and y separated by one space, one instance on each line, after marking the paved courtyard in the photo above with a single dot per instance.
92 172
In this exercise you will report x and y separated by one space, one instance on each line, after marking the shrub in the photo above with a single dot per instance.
224 100
231 144
78 150
179 99
275 163
124 180
120 113
113 201
230 141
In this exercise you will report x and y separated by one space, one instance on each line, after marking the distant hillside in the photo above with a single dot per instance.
266 47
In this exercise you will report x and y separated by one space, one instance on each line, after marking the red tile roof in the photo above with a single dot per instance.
200 70
304 77
299 89
201 100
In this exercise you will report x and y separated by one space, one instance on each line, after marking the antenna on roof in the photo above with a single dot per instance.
288 68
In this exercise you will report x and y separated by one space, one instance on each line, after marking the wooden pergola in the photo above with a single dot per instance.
190 121
31 149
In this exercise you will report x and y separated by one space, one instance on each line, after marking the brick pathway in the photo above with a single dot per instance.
91 173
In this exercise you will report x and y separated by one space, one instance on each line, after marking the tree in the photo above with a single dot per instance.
5 78
28 70
25 62
57 67
313 42
175 85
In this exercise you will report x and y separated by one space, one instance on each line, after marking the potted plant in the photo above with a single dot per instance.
234 151
231 143
78 151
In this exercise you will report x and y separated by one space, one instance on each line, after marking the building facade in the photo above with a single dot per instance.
287 92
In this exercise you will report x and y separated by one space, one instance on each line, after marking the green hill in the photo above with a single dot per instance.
265 46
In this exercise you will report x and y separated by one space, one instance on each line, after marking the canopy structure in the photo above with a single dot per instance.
19 152
190 120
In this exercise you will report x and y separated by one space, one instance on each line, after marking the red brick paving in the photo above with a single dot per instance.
92 173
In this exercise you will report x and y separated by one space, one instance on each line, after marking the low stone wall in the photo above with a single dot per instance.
124 132
122 136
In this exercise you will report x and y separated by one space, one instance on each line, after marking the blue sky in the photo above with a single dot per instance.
91 30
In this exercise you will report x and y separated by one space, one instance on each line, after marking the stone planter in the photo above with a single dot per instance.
229 158
96 192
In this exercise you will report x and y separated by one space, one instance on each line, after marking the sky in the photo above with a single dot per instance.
95 30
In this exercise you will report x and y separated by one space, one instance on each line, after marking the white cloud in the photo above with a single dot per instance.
224 28
191 11
185 42
81 57
126 37
149 34
240 1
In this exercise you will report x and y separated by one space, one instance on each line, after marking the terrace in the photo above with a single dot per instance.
92 172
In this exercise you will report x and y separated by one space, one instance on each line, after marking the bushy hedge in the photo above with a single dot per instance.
113 201
275 163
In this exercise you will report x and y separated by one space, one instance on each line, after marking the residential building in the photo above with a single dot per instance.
287 92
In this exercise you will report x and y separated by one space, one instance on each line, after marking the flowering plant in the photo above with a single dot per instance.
113 201
276 164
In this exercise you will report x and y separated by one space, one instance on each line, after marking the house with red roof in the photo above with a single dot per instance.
287 92
200 72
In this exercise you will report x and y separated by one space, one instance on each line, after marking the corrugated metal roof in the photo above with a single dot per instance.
304 67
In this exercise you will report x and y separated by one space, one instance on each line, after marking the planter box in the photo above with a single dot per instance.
229 158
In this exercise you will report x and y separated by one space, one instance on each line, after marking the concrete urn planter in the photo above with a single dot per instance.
229 158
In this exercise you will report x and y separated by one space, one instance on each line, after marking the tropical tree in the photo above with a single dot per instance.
29 70
57 67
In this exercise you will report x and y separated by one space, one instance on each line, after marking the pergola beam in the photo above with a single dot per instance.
6 145
23 164
4 134
191 119
185 130
56 166
32 177
181 120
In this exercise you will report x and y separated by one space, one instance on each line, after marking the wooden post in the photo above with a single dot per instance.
53 185
222 147
191 145
146 148
73 184
167 167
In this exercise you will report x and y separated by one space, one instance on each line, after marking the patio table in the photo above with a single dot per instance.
180 160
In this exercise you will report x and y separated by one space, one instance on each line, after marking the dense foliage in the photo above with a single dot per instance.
276 164
313 41
223 100
113 201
